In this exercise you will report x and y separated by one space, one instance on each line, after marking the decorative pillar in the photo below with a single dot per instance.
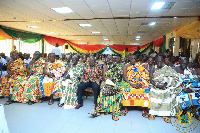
177 45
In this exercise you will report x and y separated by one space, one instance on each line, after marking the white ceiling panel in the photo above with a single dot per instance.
184 4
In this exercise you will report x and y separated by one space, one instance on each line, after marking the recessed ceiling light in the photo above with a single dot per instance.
157 5
62 10
85 25
53 32
137 39
105 39
137 36
96 32
78 39
32 26
152 23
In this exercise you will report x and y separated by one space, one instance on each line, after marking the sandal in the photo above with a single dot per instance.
8 102
167 120
30 102
50 102
145 114
151 117
95 114
40 101
60 105
115 118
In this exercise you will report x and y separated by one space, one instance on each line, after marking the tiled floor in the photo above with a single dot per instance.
44 118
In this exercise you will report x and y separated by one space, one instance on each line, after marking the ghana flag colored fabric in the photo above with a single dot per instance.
136 97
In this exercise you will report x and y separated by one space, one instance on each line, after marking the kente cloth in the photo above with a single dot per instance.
50 85
91 74
188 99
175 64
136 97
189 82
33 84
164 102
68 89
19 89
110 98
8 83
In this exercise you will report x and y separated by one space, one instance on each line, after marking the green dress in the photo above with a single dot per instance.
110 97
68 90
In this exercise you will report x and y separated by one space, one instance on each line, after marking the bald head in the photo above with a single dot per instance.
36 55
14 55
92 60
51 57
183 63
159 61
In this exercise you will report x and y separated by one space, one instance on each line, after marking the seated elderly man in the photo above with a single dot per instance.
35 72
165 86
69 84
92 76
110 97
190 95
135 91
16 74
50 82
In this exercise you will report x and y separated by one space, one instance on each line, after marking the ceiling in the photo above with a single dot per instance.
117 20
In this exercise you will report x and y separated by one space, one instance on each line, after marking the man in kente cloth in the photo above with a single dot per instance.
135 91
16 74
91 77
50 82
165 86
35 71
110 98
190 94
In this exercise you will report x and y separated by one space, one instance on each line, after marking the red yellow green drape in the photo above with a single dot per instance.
158 42
53 40
118 49
3 35
22 36
85 49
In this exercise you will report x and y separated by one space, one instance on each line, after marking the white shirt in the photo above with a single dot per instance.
3 61
57 51
27 61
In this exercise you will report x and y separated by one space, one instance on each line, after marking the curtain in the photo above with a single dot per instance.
53 40
3 35
191 31
163 45
159 42
23 36
87 48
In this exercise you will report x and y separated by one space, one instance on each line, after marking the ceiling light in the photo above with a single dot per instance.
53 32
137 39
157 5
105 39
175 17
137 36
96 32
78 39
32 26
85 25
152 23
62 10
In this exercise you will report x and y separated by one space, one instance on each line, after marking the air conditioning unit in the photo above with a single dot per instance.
135 44
118 43
82 43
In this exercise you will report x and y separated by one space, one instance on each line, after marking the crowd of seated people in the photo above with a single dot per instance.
152 82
